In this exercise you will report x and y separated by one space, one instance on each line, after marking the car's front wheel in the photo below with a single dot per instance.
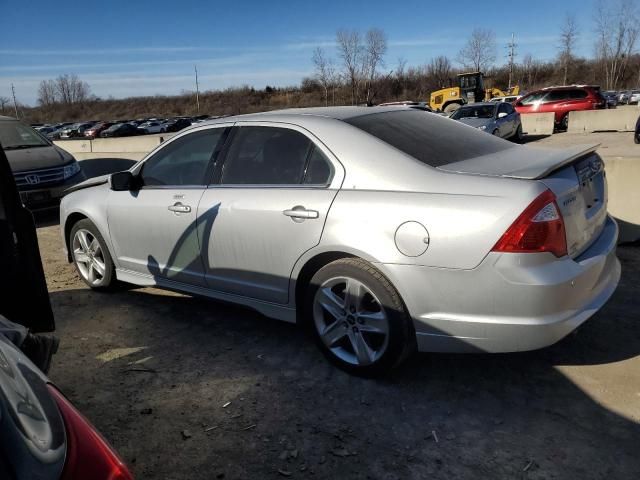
91 256
358 318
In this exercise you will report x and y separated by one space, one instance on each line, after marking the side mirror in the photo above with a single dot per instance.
502 114
122 181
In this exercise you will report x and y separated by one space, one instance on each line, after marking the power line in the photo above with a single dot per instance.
511 56
15 104
195 67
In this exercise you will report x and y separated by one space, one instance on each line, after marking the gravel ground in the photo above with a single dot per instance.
186 388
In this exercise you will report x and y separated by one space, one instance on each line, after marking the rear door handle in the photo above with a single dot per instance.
300 212
179 208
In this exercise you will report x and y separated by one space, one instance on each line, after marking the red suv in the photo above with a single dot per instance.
561 101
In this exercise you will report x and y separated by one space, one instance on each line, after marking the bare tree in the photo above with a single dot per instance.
568 37
479 53
70 89
47 93
373 56
616 36
530 69
350 51
325 72
439 69
400 80
4 101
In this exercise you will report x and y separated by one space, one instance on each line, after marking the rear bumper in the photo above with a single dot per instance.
511 302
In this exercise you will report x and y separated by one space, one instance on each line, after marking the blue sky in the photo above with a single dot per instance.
150 47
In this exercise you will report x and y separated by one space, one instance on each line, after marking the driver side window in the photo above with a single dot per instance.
184 161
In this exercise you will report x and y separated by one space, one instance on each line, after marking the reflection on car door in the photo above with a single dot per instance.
505 124
269 206
153 229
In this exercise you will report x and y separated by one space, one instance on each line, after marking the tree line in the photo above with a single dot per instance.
357 71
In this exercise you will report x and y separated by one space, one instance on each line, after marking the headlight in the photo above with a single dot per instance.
71 169
482 127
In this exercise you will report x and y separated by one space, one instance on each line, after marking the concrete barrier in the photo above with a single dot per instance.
616 119
623 181
134 148
537 123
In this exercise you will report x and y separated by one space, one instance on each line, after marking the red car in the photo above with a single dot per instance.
95 131
561 101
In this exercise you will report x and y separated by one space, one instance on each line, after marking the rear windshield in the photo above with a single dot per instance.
429 138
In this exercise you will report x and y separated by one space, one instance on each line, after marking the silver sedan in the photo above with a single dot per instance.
383 230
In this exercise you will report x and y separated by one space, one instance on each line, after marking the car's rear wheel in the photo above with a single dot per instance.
358 318
517 137
91 256
495 132
564 123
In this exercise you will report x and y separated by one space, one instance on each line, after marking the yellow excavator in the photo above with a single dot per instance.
470 89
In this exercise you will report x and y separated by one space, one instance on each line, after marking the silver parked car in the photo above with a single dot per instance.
383 229
498 118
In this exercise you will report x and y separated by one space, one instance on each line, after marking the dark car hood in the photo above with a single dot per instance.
37 158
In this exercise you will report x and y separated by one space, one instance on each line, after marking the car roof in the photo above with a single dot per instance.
480 104
299 114
567 87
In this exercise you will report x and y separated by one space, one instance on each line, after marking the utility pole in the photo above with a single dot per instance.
195 67
15 104
511 55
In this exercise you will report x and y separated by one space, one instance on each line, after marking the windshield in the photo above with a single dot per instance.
17 135
427 137
532 98
480 111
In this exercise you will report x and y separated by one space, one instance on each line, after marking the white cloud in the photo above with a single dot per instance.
102 51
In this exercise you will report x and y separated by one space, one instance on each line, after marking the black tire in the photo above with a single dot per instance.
108 280
495 133
452 107
400 339
564 123
636 138
517 137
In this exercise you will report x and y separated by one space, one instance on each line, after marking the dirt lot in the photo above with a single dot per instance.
154 370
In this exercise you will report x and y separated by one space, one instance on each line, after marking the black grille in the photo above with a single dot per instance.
35 178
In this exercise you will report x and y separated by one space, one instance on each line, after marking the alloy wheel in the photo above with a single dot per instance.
351 321
89 257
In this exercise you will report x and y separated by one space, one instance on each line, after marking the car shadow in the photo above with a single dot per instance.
524 415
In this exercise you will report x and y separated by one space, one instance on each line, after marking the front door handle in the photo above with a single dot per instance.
179 208
301 213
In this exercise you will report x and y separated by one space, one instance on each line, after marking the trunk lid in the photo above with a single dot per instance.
575 175
529 163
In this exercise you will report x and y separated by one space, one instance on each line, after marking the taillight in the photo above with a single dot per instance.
539 228
89 456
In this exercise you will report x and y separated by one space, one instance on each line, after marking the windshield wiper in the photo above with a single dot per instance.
18 147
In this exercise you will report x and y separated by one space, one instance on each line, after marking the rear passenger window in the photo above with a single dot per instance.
556 96
273 156
318 169
576 94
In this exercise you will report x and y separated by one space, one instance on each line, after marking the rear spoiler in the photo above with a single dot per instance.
565 157
523 162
